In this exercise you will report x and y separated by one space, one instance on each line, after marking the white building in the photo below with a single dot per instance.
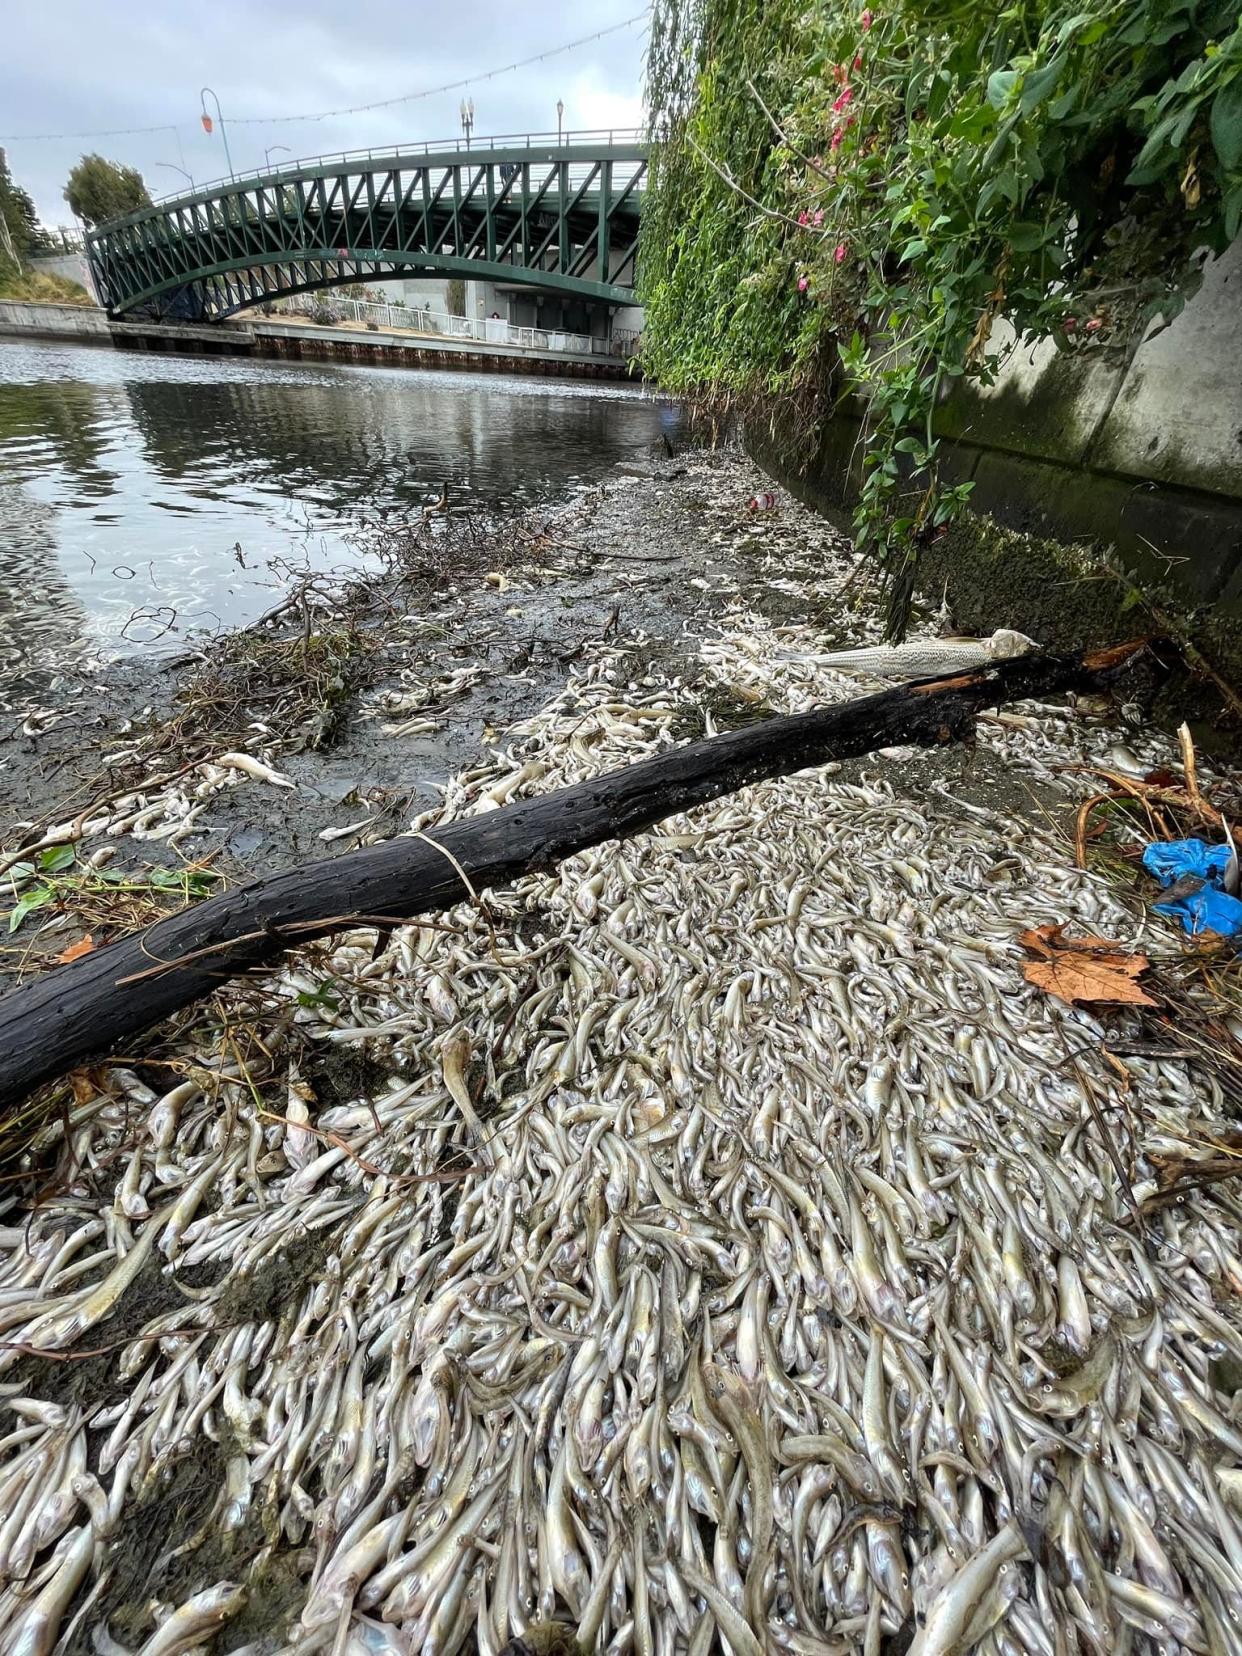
519 305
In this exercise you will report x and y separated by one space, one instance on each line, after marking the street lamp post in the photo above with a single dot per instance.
270 151
189 177
560 118
205 118
467 118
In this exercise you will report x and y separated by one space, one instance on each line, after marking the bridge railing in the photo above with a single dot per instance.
603 137
488 330
58 239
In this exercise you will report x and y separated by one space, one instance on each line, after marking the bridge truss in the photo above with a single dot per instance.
561 216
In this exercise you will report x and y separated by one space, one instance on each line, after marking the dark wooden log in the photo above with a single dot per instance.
88 1008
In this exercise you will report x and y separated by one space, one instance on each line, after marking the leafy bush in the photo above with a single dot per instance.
99 190
847 197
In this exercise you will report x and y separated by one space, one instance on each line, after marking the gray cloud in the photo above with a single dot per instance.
79 66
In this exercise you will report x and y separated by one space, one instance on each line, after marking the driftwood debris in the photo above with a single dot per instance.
88 1008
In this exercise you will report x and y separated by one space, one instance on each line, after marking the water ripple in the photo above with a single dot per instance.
117 460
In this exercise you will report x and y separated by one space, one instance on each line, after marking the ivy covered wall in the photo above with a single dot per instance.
847 200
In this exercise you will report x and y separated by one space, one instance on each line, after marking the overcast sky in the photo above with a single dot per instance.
81 66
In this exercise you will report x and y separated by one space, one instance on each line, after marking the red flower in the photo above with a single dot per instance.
840 252
836 139
840 103
858 60
1070 324
866 19
802 217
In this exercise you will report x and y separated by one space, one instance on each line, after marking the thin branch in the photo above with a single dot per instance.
440 1176
728 178
51 1356
784 136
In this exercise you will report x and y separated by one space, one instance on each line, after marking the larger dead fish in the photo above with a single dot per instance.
927 657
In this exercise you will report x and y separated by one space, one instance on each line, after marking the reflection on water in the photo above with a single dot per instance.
169 486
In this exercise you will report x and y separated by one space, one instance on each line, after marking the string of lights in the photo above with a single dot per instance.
353 109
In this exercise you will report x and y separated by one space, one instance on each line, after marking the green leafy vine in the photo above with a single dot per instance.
876 202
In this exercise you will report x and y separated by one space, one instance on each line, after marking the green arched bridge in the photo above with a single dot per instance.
558 214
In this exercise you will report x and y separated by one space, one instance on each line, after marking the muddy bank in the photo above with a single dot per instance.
354 706
477 619
999 565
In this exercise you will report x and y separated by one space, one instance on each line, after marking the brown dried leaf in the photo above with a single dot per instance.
1046 941
1083 969
1042 941
1098 945
75 951
1190 183
84 1089
1090 977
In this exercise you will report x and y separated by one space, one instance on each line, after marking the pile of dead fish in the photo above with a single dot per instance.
717 1246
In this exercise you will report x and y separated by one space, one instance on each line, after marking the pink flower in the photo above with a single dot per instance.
802 217
840 252
838 73
817 217
1094 325
858 60
803 284
836 139
840 103
1070 324
866 19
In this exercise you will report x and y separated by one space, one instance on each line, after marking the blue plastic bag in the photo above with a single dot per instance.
1206 907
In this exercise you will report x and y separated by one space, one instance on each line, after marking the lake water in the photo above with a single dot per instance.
144 496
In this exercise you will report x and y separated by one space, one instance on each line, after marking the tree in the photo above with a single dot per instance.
99 189
19 228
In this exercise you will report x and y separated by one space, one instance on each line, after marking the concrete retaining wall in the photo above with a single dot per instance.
1137 452
72 266
297 341
52 321
396 350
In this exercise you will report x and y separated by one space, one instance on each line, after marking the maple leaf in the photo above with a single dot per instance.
75 951
1042 941
1084 969
1047 940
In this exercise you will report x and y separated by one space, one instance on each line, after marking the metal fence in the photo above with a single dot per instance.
334 308
60 238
